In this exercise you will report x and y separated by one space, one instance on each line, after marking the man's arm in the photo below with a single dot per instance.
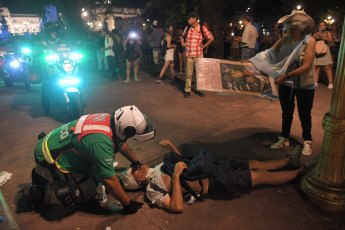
115 189
209 41
127 153
175 202
168 145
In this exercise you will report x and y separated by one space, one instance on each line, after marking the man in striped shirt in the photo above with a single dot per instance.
192 39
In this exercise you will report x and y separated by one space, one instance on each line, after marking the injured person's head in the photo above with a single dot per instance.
137 176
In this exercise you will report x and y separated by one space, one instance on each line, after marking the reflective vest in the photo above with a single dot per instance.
87 124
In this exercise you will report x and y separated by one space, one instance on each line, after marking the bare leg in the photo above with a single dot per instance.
166 64
265 177
317 73
181 61
129 64
172 69
328 70
269 165
136 69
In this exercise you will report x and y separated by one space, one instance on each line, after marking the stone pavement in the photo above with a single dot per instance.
232 126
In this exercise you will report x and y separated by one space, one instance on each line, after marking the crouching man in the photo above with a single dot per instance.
72 160
164 187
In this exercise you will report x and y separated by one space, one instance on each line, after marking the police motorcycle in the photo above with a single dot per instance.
16 67
63 80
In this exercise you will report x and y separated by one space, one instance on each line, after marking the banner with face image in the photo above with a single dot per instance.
232 77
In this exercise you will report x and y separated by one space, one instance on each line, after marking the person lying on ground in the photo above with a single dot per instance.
219 178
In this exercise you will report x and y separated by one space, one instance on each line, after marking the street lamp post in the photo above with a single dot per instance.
324 185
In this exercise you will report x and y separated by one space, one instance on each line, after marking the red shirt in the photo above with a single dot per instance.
193 40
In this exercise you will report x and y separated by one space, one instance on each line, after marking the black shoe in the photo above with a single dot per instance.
34 195
186 94
201 94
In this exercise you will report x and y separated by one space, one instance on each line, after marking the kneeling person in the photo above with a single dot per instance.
71 160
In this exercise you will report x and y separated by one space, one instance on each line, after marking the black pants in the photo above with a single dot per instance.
305 98
112 66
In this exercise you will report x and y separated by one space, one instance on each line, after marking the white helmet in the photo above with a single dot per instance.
130 122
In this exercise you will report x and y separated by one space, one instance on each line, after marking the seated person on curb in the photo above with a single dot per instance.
225 179
71 160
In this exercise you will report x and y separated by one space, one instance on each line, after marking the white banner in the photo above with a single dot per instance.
232 77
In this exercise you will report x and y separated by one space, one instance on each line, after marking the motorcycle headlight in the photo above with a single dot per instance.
76 56
69 81
52 57
15 64
26 51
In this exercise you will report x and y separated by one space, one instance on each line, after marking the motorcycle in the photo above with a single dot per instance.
63 81
16 68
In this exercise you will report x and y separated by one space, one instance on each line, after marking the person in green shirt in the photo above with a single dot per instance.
73 159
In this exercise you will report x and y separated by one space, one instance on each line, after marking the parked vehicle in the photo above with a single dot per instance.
16 67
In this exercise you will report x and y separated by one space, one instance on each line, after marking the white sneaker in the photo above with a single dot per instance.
330 86
306 151
281 143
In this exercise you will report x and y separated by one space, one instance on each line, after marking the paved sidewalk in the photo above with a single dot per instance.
232 126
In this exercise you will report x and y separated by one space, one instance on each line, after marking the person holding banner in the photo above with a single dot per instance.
291 62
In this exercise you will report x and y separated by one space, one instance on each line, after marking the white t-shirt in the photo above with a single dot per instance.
108 42
249 36
156 190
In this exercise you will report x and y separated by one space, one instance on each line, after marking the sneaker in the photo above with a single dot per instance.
127 80
295 156
330 86
316 84
186 94
311 164
306 151
159 81
281 143
136 79
201 94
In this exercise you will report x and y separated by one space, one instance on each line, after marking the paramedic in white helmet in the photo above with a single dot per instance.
71 161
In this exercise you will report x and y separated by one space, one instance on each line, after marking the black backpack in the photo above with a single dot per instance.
199 167
201 30
163 47
115 46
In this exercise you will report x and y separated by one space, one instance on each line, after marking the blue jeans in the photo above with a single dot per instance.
247 53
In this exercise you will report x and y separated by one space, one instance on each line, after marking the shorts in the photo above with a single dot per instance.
155 57
228 178
169 56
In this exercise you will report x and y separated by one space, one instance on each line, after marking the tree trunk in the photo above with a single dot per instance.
211 12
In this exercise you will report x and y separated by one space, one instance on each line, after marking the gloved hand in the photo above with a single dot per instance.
132 207
135 163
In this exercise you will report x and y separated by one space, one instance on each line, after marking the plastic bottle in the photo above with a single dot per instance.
102 196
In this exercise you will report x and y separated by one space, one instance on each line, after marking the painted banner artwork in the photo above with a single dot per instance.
232 77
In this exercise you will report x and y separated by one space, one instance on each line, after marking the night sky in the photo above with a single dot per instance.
15 6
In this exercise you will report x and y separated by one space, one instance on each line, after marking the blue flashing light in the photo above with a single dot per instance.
15 64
